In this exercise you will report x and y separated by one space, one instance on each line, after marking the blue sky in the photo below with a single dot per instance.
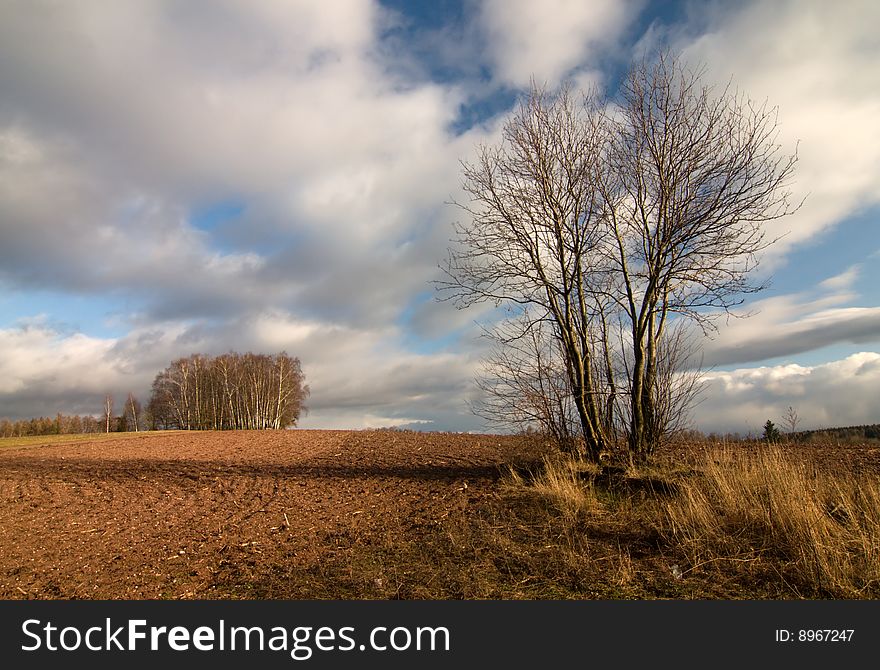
179 177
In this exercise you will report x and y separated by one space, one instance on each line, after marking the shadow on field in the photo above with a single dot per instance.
182 471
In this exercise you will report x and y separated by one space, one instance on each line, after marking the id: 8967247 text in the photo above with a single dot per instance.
815 635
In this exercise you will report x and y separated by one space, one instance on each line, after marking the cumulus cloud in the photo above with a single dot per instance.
117 124
284 106
547 40
816 61
838 393
43 371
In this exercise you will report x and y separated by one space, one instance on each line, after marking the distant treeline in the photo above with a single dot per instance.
847 434
229 392
839 434
62 424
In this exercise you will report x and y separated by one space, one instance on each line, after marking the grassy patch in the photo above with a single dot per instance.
767 510
51 440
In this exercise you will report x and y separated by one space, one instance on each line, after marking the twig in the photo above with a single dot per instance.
720 558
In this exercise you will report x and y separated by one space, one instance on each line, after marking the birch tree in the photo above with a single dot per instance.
229 392
108 412
133 407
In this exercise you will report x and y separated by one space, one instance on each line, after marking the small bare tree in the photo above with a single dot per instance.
677 384
791 419
134 410
108 411
524 384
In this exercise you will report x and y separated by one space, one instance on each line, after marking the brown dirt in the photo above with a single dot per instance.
221 515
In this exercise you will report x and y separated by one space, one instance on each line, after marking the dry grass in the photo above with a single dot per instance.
728 522
582 532
565 482
52 440
819 531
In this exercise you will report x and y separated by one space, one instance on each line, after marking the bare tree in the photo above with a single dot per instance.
532 233
692 178
525 385
609 221
232 391
791 419
134 409
108 411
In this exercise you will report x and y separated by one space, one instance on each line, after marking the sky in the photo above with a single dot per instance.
194 176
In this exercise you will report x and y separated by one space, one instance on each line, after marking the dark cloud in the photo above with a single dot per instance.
847 326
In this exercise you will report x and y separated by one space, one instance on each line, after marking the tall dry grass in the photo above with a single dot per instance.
760 513
565 482
819 529
565 548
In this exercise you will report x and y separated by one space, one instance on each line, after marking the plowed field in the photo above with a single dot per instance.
224 515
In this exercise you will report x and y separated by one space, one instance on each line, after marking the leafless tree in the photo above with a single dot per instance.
232 391
676 385
791 419
532 236
524 384
133 407
611 220
692 178
108 411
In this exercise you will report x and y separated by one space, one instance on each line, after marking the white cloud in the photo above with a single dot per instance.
134 115
838 393
285 107
360 378
844 280
547 40
51 371
817 61
358 421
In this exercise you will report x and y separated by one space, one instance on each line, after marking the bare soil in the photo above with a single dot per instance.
370 514
229 515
